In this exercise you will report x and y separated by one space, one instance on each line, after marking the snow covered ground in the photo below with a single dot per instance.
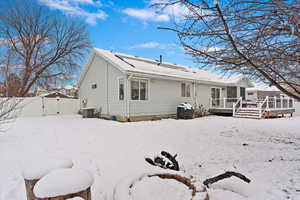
266 151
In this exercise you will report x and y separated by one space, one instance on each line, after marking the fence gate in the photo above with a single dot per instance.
51 106
42 106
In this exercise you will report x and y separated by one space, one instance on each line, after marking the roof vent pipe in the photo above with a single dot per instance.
160 60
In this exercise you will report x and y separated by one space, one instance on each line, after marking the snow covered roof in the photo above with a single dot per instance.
70 87
137 65
54 94
259 87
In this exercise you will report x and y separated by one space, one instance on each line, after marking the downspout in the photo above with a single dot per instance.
107 102
127 96
195 95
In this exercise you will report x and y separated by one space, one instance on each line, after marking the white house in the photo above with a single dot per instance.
133 88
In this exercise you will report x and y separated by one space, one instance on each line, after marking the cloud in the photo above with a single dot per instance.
91 2
146 15
151 45
147 45
159 13
74 8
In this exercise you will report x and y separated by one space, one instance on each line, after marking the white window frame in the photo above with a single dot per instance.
121 78
185 95
147 89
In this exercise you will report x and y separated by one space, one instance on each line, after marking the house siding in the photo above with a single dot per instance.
115 106
105 96
164 96
203 95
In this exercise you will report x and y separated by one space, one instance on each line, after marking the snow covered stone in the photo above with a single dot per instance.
37 168
76 198
62 182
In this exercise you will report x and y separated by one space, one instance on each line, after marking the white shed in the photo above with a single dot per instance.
133 88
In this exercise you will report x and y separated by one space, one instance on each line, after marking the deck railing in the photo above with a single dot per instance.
280 103
225 103
263 106
268 103
236 106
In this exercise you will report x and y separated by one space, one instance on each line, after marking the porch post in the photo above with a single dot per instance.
281 103
233 111
267 102
275 102
224 101
260 107
238 93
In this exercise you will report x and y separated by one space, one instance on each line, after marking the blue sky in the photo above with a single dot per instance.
127 26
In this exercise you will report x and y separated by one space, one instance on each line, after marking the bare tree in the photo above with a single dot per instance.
9 105
42 45
9 110
258 38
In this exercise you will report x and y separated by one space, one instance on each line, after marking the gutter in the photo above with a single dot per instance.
195 95
107 81
134 73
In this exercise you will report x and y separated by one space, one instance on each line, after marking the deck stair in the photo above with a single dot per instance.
246 112
253 113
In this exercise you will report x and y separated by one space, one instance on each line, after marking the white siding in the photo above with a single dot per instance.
297 106
164 96
253 96
105 76
115 106
203 95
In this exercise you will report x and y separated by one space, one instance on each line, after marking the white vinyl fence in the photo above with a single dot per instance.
42 106
297 106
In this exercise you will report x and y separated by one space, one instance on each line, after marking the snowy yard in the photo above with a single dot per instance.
266 151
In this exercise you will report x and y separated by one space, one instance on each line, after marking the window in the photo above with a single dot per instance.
243 93
139 90
121 89
231 92
94 86
250 93
143 90
185 90
188 90
215 95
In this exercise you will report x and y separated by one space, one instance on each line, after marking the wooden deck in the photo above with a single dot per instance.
221 110
263 108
